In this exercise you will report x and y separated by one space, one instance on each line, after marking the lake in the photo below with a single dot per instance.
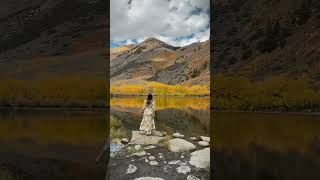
187 115
262 146
53 144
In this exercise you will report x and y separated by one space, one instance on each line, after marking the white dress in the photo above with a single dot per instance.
147 123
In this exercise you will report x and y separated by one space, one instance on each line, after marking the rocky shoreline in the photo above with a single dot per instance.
159 157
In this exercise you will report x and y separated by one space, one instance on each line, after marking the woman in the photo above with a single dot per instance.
147 124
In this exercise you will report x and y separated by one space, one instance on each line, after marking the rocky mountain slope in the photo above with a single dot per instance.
154 60
261 39
52 36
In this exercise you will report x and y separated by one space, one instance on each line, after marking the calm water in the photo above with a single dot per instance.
266 146
187 115
53 144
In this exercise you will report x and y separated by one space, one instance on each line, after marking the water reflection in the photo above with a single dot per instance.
266 146
53 143
188 115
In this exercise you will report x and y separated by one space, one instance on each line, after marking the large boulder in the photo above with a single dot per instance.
201 159
180 145
142 139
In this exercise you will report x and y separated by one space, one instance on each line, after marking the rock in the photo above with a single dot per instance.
150 147
174 162
178 135
160 154
138 147
148 154
191 177
124 140
193 138
182 157
201 159
138 138
148 178
139 154
146 160
157 133
152 158
203 143
180 145
204 138
131 169
153 163
183 169
114 149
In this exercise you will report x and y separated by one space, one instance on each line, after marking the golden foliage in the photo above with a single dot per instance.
273 94
161 89
63 92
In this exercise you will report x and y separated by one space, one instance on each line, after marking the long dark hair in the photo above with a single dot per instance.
149 99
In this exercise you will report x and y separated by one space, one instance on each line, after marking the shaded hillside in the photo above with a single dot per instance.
261 39
53 53
154 60
44 33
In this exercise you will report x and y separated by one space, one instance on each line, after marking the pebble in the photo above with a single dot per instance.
150 147
139 154
131 169
153 163
205 138
183 169
152 158
174 162
193 138
203 143
138 147
178 135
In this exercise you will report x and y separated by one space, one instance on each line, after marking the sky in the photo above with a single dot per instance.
176 22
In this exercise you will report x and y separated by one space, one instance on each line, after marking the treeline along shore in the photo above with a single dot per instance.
160 89
64 92
276 94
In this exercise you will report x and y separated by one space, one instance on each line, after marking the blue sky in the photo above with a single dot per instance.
176 22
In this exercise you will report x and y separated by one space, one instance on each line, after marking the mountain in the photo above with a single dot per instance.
53 38
114 52
154 60
262 39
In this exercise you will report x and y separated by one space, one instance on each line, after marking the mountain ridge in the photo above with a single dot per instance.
154 60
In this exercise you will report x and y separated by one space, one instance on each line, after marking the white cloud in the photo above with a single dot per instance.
168 20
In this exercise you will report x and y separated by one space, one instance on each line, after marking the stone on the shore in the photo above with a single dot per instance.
180 145
153 163
177 135
150 147
203 143
201 159
131 169
205 138
142 139
183 169
148 178
174 162
193 138
191 177
139 154
146 160
152 158
138 147
124 140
